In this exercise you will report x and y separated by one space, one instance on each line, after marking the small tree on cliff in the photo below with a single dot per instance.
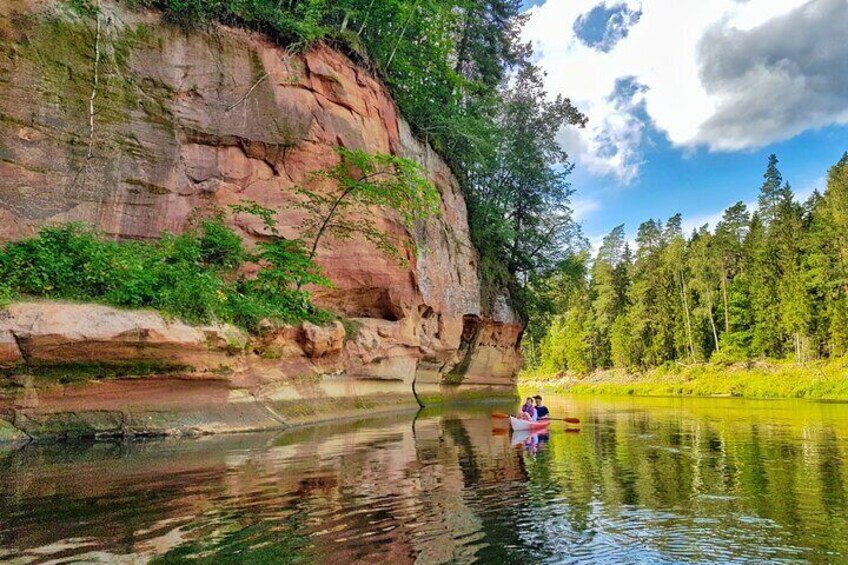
286 264
361 182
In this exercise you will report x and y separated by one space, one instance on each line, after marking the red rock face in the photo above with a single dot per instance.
188 120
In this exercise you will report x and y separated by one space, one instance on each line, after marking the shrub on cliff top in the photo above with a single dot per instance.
193 276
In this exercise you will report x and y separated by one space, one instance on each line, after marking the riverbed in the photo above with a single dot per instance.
640 480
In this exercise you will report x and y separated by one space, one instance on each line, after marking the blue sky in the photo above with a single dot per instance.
686 100
698 183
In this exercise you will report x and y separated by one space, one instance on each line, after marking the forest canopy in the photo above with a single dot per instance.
771 282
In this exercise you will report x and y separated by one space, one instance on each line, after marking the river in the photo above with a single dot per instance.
641 480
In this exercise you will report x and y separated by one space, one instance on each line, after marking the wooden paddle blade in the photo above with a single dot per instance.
571 420
499 415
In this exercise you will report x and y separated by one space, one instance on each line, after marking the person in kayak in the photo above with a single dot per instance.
542 412
528 411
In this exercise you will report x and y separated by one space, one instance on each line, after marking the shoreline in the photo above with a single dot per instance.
822 380
199 405
93 371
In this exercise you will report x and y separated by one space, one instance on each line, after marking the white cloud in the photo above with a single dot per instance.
582 208
595 242
725 74
693 223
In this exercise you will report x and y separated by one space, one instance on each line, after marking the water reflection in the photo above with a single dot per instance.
644 480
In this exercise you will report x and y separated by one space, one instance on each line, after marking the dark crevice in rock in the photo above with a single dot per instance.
471 326
22 348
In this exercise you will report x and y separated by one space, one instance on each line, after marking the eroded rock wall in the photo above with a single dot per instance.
188 120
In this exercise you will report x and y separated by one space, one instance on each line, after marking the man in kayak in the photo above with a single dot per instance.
542 412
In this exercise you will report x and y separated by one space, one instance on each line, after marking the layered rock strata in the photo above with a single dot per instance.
191 120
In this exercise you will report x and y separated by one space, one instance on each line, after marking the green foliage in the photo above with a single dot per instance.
621 353
84 8
193 276
286 267
219 245
771 284
548 297
6 295
729 354
358 183
553 358
518 196
578 358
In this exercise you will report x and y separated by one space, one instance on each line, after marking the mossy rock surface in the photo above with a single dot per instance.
10 434
71 425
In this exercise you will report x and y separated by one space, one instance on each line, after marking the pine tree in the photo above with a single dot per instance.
703 264
645 289
817 269
489 40
772 192
676 321
785 234
608 298
730 236
771 255
576 347
832 215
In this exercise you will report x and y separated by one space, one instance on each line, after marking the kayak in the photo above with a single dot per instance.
527 425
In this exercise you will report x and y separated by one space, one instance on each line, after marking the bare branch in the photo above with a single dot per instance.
94 86
248 93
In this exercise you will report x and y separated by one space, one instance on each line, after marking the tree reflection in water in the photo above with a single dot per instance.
648 480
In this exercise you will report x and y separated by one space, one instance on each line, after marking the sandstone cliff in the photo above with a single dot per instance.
186 120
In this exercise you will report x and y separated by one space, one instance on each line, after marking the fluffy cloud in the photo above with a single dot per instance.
582 208
778 79
725 74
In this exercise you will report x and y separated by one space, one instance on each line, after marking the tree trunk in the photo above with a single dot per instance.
402 33
724 298
326 222
712 323
686 317
365 19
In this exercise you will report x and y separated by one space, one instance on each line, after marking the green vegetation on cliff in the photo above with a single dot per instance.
772 284
463 79
198 276
193 276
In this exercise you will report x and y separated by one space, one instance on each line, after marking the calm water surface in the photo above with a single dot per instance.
642 481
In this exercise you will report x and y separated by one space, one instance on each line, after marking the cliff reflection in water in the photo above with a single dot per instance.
648 480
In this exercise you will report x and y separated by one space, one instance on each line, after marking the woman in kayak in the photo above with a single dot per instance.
528 411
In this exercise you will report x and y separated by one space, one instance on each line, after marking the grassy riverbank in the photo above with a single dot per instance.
821 380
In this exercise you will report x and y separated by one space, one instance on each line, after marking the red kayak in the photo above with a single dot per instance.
528 425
